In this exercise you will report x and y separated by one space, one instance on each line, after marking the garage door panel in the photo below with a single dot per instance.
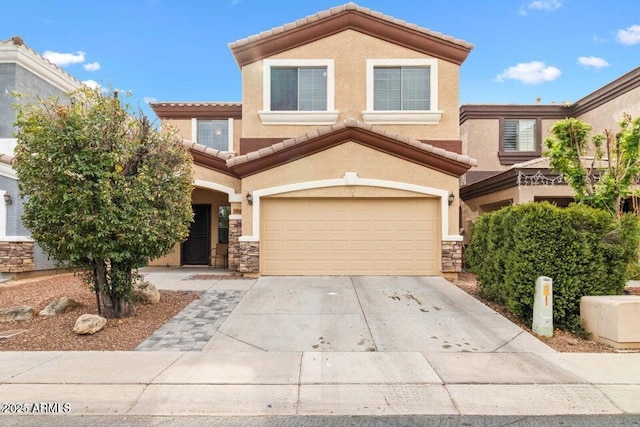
349 236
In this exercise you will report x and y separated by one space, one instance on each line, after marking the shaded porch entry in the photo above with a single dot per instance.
196 250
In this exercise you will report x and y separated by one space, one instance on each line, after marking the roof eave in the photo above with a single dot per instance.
276 42
365 137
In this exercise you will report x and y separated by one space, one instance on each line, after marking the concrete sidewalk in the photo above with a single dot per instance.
319 383
281 352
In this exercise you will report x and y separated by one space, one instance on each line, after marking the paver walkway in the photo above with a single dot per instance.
193 327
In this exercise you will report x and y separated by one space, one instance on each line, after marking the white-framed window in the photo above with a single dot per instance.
298 92
214 133
402 91
519 135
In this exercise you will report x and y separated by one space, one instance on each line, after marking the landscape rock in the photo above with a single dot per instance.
89 324
145 293
20 312
61 306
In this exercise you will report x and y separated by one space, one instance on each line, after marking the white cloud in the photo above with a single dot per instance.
629 36
92 66
149 99
92 84
597 39
545 5
592 62
64 59
533 72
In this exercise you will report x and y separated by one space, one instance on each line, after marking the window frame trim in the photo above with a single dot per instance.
323 117
508 158
194 132
419 117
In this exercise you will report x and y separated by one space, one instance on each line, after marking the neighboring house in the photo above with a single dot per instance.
508 140
344 156
21 70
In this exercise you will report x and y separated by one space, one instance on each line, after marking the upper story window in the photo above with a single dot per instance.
216 134
519 135
520 140
299 89
401 88
298 92
402 91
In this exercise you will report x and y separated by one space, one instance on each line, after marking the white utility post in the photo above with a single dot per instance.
543 307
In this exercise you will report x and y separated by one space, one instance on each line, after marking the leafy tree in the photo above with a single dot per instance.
606 178
104 192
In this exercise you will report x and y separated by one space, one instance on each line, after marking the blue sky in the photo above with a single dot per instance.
170 50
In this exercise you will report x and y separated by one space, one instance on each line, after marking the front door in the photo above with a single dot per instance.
196 249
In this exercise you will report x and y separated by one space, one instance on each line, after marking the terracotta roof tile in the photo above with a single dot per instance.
289 142
352 123
338 9
195 104
206 150
17 41
7 159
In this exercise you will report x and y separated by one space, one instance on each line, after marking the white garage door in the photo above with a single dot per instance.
393 236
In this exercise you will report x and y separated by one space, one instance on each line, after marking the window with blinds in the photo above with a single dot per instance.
401 89
519 135
214 134
298 89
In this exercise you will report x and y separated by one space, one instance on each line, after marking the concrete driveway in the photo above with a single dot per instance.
364 313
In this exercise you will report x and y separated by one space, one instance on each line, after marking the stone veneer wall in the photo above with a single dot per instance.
249 257
16 257
451 257
235 231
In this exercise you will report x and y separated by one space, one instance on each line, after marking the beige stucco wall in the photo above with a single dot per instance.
211 175
608 115
350 50
481 141
350 157
183 126
199 196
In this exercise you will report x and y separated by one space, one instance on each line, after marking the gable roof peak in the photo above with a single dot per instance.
326 132
354 17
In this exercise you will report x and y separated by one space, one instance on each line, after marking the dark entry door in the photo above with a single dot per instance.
197 248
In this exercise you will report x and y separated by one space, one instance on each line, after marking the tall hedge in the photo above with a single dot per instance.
584 250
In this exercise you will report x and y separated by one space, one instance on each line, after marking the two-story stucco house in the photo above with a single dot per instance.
343 157
508 140
21 70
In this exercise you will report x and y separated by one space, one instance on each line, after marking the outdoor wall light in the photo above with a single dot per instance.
7 199
249 199
452 197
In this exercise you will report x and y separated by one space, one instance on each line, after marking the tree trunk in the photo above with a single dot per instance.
115 307
111 303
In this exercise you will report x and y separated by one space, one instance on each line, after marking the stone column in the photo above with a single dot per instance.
451 256
16 257
249 254
235 231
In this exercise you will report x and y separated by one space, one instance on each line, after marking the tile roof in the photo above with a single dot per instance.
338 9
7 159
206 150
195 104
350 123
17 42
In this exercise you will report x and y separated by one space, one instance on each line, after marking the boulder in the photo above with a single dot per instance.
20 312
63 305
89 324
145 293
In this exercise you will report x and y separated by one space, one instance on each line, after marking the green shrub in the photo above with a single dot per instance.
584 250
